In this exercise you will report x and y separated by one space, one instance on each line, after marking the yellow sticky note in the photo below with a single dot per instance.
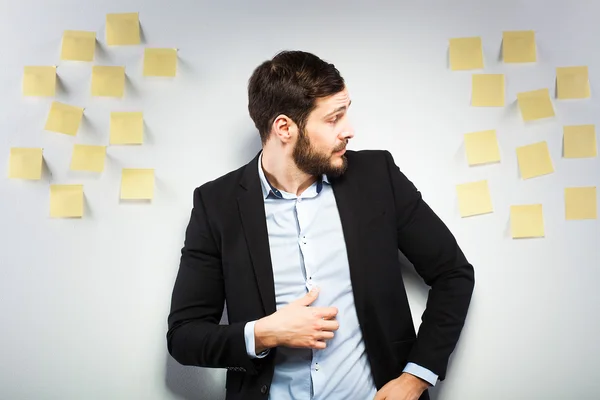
466 53
78 46
64 118
534 160
122 29
88 158
39 81
535 104
579 141
66 201
487 90
518 47
126 128
160 62
572 82
482 147
474 198
581 203
108 81
137 184
527 221
25 163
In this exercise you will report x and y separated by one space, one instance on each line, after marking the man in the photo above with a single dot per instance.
302 243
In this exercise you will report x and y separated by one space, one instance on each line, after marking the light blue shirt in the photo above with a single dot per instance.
308 249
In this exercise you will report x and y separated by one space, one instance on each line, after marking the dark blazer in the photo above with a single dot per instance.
226 257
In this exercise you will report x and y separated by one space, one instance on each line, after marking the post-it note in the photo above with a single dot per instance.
581 203
527 221
39 81
535 104
64 118
137 184
122 29
572 83
25 163
487 90
160 62
108 81
466 53
579 141
534 160
66 201
78 46
474 198
518 47
126 128
482 147
88 158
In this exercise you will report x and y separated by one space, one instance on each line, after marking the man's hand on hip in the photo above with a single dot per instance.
406 387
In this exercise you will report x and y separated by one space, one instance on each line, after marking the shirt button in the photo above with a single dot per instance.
263 389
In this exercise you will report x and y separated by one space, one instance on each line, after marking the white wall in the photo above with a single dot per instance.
84 302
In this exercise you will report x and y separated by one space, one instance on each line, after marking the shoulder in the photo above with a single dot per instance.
368 160
374 168
222 188
227 180
367 154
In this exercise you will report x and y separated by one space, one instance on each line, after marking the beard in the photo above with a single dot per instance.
313 162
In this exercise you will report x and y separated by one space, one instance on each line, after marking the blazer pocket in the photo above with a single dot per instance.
234 380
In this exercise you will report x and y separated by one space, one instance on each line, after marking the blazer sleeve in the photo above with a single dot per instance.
430 246
194 336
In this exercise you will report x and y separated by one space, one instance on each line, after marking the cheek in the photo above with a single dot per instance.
319 137
324 137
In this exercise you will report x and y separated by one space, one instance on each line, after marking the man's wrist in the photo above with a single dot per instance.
264 338
422 383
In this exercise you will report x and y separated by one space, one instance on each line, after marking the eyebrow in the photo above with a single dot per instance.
342 108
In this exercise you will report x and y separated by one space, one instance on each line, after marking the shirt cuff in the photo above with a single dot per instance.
421 372
250 344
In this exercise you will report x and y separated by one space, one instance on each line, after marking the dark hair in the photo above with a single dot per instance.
289 84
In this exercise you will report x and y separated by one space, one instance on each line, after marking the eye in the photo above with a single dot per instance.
335 119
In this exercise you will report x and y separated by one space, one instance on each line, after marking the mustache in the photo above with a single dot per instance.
340 147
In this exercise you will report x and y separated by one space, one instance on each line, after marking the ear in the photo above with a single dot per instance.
283 128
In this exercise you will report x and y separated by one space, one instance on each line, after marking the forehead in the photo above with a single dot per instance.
328 104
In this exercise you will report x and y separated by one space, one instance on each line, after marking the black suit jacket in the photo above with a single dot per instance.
226 258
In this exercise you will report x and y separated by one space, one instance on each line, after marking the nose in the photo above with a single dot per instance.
348 131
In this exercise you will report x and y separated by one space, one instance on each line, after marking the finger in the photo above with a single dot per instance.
329 325
379 396
325 312
308 298
318 344
325 335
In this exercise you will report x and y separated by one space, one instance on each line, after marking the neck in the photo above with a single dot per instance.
282 172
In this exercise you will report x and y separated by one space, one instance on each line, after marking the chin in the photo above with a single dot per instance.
339 159
339 166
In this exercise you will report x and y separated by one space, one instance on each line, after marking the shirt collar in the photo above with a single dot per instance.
270 190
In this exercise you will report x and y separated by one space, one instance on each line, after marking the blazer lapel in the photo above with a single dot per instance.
252 214
352 211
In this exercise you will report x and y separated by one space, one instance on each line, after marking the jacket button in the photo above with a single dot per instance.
263 389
